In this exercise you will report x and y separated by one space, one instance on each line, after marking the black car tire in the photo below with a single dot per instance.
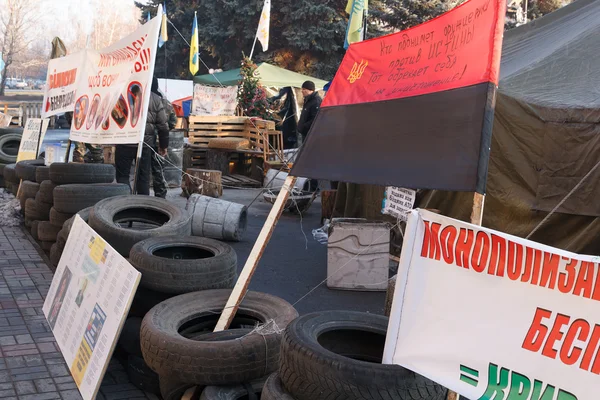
141 376
110 218
10 174
58 218
26 169
46 192
9 147
42 174
207 362
28 190
73 198
337 354
37 211
47 232
184 264
273 389
69 173
251 390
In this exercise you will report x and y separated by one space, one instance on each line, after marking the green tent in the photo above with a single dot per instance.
270 76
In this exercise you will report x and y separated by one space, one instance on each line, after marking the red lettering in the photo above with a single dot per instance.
481 252
591 350
528 264
550 270
596 295
498 259
585 279
580 330
515 261
463 247
431 242
535 337
555 335
448 238
535 274
566 279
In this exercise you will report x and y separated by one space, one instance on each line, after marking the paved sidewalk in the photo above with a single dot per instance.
31 365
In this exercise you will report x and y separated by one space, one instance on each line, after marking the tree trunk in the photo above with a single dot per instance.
3 82
202 181
218 160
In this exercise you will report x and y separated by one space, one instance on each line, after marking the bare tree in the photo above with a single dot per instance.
17 17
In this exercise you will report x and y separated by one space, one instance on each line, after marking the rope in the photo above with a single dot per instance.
562 201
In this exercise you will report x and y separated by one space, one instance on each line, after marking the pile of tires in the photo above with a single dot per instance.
25 174
337 355
65 189
178 344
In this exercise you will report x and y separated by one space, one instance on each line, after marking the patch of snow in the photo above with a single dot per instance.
10 209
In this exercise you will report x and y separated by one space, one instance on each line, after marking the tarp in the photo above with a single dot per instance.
546 137
175 89
270 76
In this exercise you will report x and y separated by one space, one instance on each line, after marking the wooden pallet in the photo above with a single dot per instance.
194 158
239 181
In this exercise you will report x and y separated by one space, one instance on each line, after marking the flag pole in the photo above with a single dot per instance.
253 46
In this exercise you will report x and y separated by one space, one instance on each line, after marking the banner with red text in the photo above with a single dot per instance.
421 100
61 84
114 89
493 316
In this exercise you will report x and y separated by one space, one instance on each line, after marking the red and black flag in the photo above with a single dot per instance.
413 109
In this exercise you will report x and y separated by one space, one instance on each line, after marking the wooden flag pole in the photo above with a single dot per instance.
476 219
241 286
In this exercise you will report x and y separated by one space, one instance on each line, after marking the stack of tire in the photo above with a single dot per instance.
10 140
25 173
10 181
65 190
337 355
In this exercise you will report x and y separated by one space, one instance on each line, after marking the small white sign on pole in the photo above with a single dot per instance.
398 202
33 135
87 304
495 317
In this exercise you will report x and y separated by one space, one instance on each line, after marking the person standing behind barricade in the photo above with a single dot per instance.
96 154
125 154
312 104
158 178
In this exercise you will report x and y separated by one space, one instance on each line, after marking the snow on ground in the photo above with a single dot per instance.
10 209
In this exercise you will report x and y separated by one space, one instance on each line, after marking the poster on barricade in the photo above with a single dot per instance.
214 101
87 304
5 120
492 316
114 89
61 84
33 135
398 202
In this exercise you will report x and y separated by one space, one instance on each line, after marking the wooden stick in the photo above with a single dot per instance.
476 219
241 286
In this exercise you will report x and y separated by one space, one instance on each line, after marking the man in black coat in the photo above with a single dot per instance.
312 103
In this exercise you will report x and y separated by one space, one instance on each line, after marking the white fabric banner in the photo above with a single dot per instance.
87 304
113 91
214 101
61 84
494 317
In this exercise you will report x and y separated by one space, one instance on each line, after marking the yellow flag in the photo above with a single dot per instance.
263 26
194 47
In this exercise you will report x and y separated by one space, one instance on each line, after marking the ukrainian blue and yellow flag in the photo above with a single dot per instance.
163 27
357 10
194 58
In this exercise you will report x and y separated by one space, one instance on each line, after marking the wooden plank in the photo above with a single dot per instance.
241 286
209 119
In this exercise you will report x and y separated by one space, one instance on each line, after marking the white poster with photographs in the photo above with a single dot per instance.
87 304
214 101
114 89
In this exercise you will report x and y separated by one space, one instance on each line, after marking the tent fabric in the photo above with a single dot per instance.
183 107
546 137
175 89
270 76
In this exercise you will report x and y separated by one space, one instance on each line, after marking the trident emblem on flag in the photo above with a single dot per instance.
357 71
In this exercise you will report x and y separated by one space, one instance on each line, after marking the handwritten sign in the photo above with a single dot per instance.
462 48
35 130
5 120
398 202
87 304
214 101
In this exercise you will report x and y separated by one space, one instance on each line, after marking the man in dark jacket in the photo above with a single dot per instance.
312 103
125 154
159 183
